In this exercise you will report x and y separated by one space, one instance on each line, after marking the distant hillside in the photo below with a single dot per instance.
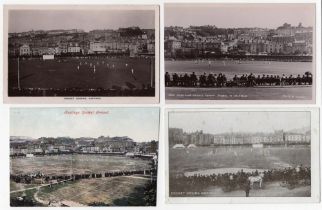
21 138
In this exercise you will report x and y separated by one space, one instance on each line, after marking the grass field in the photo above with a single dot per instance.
105 190
230 68
110 190
269 190
79 73
204 158
20 186
68 164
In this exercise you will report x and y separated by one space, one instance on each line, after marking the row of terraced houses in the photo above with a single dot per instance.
199 138
197 40
132 41
20 146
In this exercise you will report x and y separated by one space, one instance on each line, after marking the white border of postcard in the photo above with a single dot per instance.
81 100
315 162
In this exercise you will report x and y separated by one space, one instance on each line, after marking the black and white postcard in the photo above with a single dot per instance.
81 54
246 52
243 155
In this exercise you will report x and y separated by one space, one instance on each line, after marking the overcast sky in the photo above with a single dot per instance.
239 15
140 124
221 122
26 20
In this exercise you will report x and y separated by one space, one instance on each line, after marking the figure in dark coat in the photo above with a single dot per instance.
247 188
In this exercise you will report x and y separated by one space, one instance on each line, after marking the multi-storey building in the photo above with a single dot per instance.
24 50
73 48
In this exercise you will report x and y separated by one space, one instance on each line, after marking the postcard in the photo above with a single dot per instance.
240 53
242 155
83 156
81 54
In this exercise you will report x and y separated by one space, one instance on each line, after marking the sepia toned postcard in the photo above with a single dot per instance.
81 54
240 53
242 155
60 162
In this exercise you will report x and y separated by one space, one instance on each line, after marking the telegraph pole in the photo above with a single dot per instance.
18 75
152 71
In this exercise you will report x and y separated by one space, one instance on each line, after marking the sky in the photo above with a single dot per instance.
26 20
221 122
140 124
239 15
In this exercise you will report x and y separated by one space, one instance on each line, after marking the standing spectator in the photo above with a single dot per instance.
247 188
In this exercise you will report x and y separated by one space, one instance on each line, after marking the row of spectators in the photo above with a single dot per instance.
235 181
30 178
245 80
